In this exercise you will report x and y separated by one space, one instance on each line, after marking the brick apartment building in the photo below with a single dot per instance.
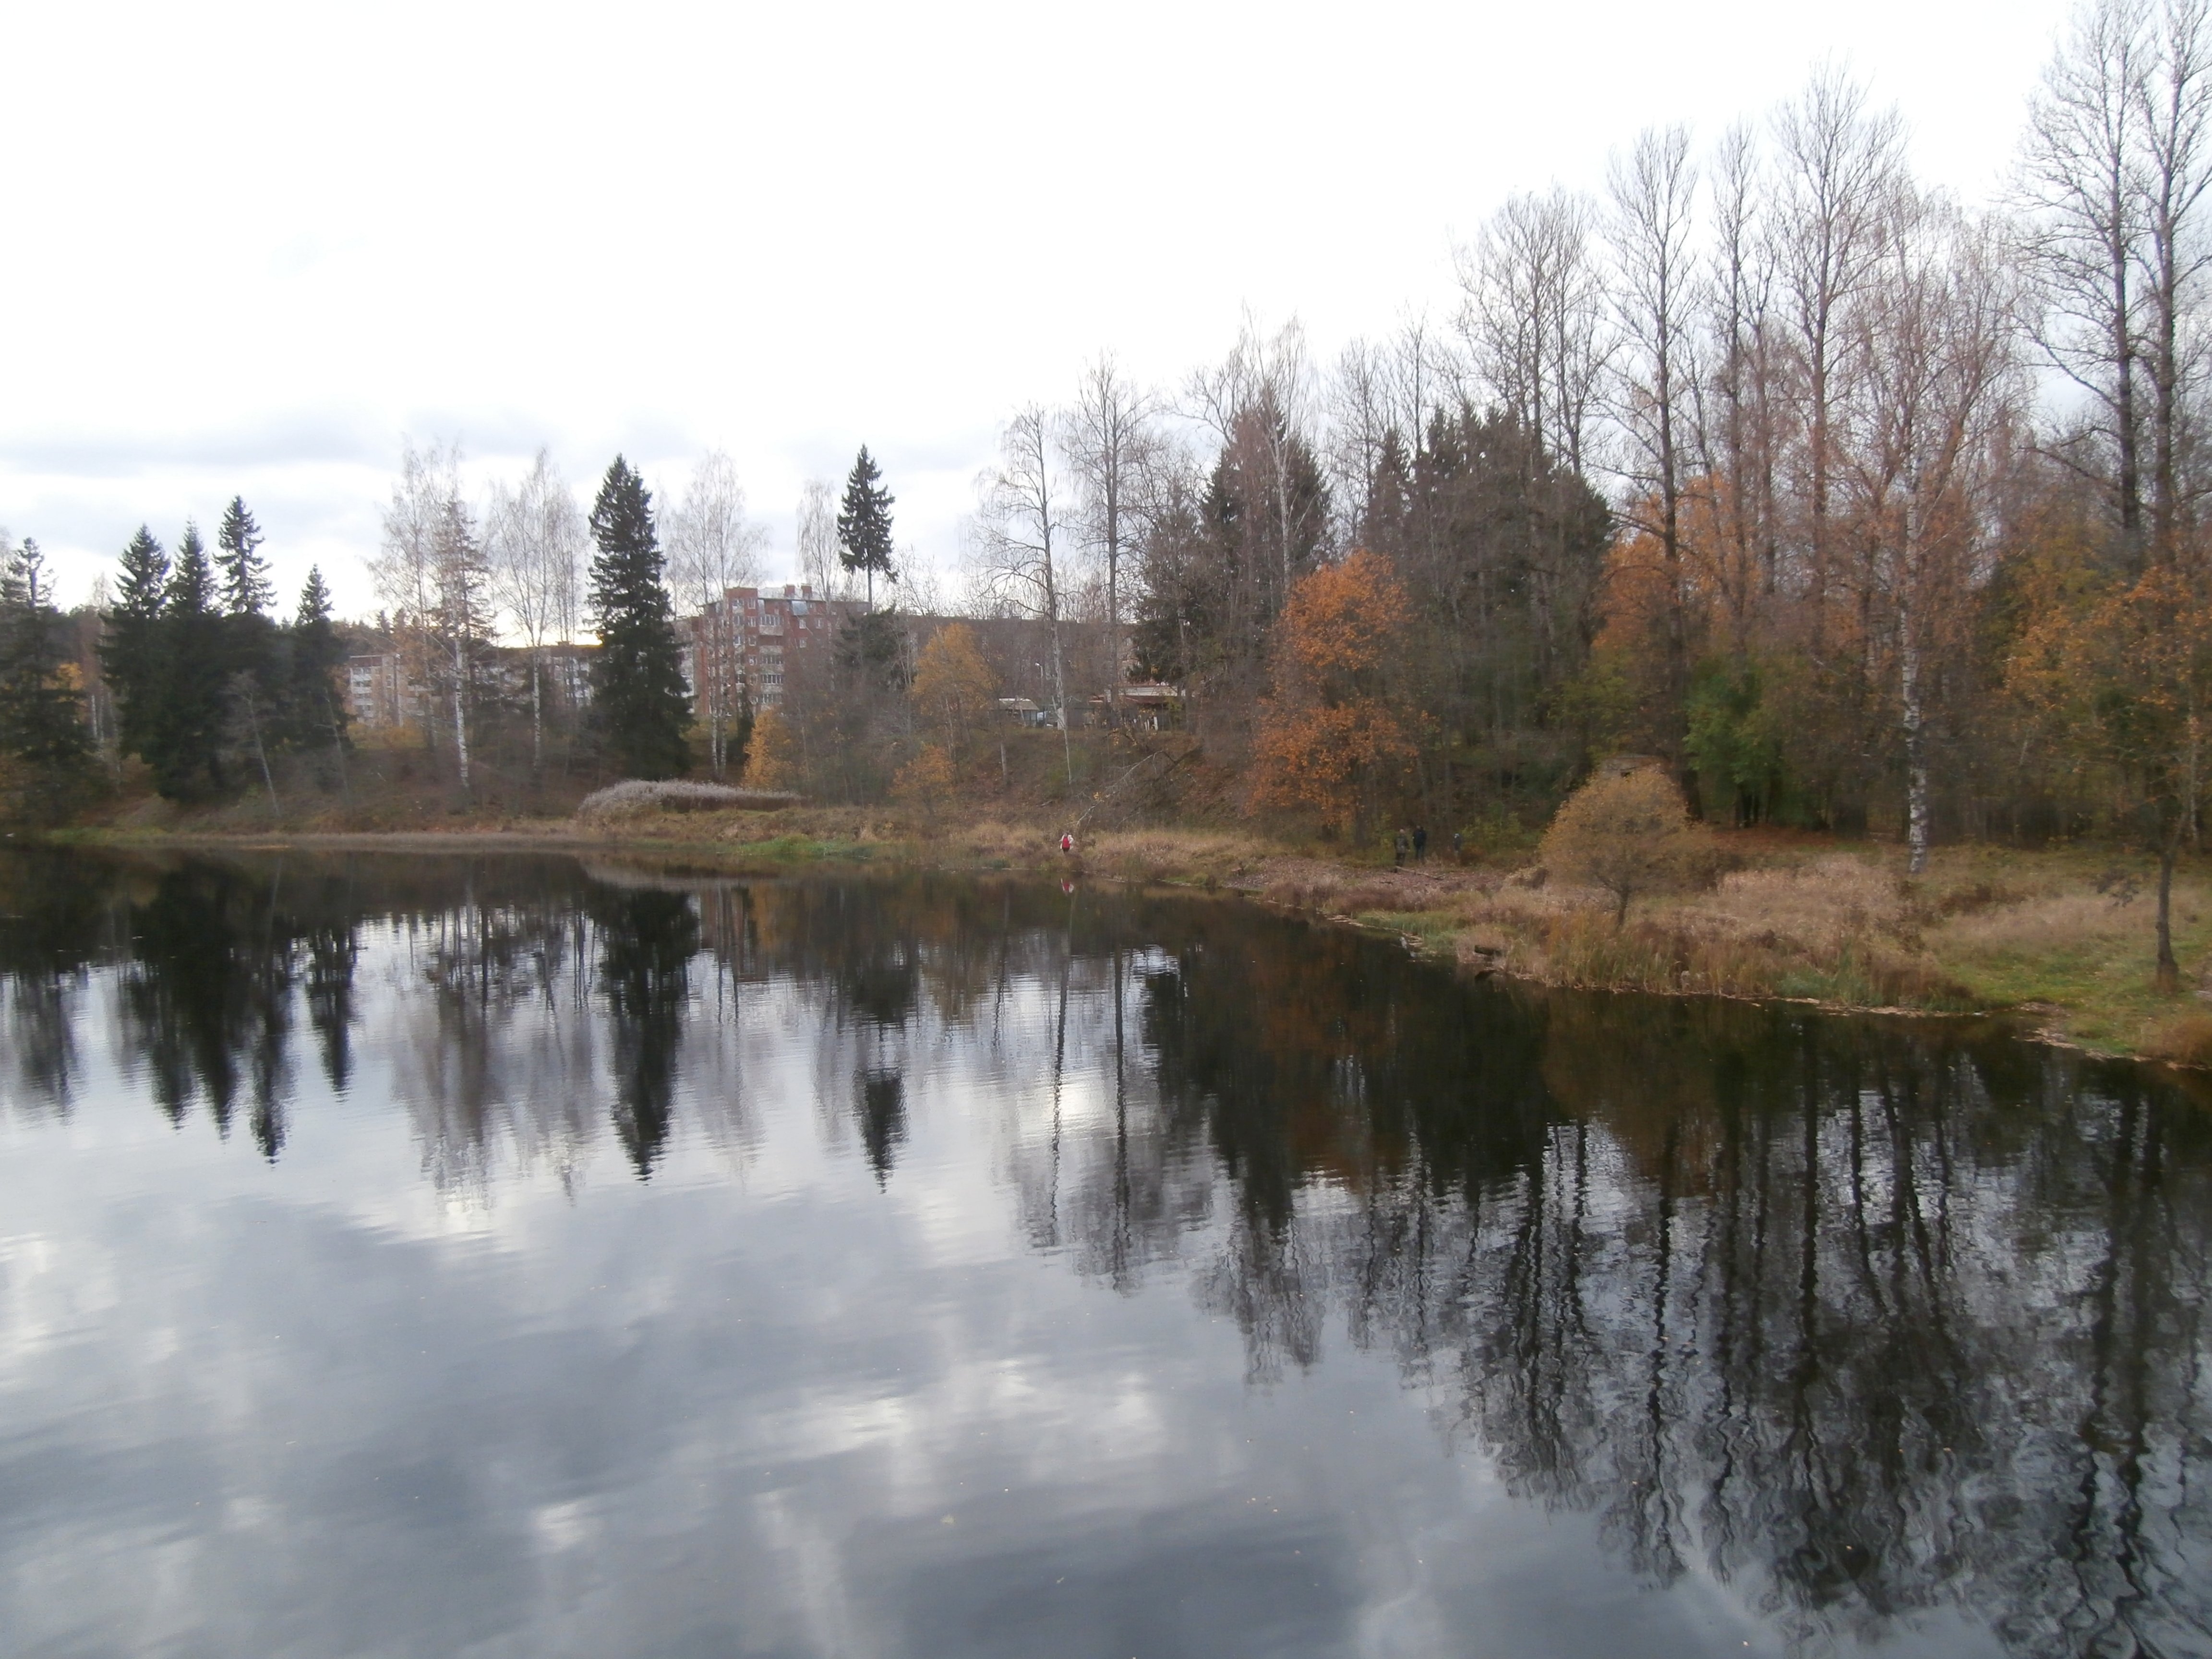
753 641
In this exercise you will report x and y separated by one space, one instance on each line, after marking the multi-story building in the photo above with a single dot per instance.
380 691
754 643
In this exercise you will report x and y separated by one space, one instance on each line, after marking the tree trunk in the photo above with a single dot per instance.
1917 809
1059 690
338 748
2169 849
460 711
260 754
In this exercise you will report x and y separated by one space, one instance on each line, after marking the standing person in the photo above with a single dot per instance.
1398 849
1421 844
1459 847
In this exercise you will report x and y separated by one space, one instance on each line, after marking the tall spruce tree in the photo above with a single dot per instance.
253 682
639 703
42 717
314 707
864 525
247 589
185 750
130 652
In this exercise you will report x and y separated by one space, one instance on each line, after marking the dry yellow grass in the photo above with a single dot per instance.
2041 924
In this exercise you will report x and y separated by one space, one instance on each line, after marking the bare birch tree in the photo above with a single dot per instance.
1112 449
1533 314
819 567
405 567
463 616
1923 438
1260 398
2080 185
2175 93
714 546
535 539
1021 542
1739 396
1841 165
1653 189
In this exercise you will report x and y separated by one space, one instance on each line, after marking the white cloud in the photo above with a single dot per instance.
246 248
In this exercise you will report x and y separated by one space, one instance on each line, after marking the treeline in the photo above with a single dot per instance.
208 684
46 744
1855 508
202 683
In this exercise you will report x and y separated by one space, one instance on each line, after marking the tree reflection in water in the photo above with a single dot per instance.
1864 1318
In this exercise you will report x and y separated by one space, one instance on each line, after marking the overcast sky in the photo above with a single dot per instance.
245 250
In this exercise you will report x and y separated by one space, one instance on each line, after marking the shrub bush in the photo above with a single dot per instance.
1628 834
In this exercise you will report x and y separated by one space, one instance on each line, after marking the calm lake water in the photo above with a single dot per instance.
517 1256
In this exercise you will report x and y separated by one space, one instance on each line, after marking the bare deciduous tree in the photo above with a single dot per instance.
2080 183
1020 542
2175 92
1653 189
1841 167
1534 317
1738 436
405 567
714 546
463 614
535 540
1924 439
1113 450
1259 398
819 567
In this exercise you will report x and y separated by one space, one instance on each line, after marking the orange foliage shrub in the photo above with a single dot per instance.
1330 736
954 689
771 757
926 781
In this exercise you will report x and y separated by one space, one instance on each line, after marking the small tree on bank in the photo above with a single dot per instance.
954 690
1629 834
772 760
639 700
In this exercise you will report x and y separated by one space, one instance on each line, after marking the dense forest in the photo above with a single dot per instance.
1855 506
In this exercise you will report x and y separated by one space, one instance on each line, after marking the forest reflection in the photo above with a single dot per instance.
1861 1317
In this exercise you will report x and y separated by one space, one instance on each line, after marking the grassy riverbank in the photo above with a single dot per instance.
2062 937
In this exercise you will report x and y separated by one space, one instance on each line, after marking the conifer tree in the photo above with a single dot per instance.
42 727
186 740
254 674
314 708
247 589
639 701
131 654
864 525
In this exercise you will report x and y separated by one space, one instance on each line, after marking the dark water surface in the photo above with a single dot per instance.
509 1256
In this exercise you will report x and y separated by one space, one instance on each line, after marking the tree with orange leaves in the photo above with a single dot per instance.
1331 735
2123 671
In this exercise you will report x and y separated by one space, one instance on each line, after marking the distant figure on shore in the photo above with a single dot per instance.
1398 849
1421 844
1067 843
1459 847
